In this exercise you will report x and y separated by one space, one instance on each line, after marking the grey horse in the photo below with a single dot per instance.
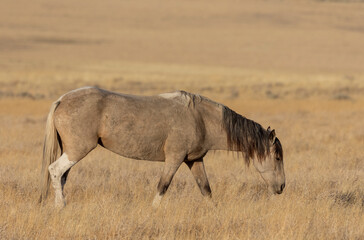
173 128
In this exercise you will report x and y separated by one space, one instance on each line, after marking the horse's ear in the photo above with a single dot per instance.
268 129
272 136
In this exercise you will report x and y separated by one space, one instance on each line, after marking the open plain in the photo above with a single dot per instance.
297 66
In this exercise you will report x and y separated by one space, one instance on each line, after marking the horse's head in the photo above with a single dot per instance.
271 167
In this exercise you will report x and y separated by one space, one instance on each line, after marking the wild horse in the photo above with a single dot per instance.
176 128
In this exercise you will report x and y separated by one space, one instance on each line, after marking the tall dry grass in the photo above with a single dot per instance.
110 197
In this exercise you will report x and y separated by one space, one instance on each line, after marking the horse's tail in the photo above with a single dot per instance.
50 151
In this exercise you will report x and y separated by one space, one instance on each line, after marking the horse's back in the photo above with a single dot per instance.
132 126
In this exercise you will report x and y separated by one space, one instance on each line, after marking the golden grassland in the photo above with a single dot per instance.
110 197
306 80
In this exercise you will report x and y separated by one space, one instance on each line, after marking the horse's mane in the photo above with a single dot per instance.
245 135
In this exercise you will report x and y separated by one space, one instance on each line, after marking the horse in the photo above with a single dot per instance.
174 128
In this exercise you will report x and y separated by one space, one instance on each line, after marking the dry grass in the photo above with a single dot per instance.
110 197
309 87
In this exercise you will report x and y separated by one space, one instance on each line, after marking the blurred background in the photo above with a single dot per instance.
154 46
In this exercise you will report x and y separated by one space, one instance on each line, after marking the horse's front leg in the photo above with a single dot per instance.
198 170
170 168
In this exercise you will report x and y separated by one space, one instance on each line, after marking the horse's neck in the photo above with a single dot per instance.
216 136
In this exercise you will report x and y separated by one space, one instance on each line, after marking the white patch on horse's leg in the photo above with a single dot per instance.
56 170
157 200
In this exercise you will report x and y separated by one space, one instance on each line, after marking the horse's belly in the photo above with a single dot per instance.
132 148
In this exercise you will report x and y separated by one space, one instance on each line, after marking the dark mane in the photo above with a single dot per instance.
278 150
245 135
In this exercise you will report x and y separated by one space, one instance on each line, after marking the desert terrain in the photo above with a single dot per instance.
297 66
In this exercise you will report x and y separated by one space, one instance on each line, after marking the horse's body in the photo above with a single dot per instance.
173 127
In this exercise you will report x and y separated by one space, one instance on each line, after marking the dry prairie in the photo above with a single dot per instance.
295 66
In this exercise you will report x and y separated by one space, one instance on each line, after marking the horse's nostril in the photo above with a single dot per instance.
282 186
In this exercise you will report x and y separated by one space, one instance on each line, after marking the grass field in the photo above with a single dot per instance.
295 66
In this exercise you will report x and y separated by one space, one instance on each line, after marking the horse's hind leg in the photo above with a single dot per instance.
198 170
57 170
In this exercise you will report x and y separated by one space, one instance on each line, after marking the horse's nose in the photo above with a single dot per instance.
282 186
